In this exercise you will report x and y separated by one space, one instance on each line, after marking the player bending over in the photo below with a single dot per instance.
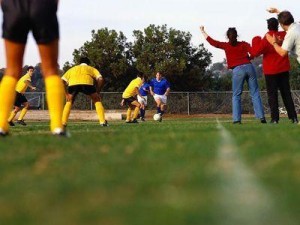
81 78
129 98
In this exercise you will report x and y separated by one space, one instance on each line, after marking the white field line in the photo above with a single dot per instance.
243 201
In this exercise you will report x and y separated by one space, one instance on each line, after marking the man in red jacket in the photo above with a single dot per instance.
276 70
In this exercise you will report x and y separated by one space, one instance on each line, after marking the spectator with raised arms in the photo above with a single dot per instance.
238 59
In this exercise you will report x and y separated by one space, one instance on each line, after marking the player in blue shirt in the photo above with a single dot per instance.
160 89
144 90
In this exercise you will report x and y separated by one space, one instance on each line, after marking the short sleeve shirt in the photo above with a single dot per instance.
132 88
22 84
159 87
291 41
82 74
144 89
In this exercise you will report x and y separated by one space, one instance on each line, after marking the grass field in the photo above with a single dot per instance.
178 172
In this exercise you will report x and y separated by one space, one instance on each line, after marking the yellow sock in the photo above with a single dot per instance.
23 113
128 114
100 112
66 113
55 100
12 116
8 94
136 112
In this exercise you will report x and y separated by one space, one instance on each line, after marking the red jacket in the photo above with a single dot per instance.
235 55
273 63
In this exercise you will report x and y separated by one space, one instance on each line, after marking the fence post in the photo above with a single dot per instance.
188 99
43 100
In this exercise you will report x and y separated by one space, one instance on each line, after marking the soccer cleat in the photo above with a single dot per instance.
61 133
274 121
263 120
143 119
237 122
3 133
134 121
21 122
11 123
295 120
105 124
127 121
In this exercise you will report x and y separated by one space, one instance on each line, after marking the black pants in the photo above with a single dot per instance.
280 82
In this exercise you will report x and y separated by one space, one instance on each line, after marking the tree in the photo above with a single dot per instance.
294 74
170 51
109 52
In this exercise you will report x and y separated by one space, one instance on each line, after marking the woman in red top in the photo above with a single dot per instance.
276 69
237 56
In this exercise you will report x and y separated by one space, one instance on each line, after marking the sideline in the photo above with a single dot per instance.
242 199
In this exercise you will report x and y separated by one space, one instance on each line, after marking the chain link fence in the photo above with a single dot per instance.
178 102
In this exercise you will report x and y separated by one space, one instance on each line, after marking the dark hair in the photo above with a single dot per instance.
140 74
272 24
30 67
285 18
85 60
232 36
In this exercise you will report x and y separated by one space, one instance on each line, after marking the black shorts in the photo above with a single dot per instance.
128 101
22 16
85 89
20 99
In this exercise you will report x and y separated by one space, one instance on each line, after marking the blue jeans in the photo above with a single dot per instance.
241 74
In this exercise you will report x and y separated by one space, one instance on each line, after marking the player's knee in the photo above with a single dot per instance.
26 105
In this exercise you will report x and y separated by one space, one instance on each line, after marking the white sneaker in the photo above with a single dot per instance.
60 132
3 133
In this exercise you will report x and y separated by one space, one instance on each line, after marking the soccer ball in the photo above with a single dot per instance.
156 117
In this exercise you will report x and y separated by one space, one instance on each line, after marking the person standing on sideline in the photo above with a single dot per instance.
81 78
160 89
291 42
21 88
19 18
238 59
129 98
276 71
144 90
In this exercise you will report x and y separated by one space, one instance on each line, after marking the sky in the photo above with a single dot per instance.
78 18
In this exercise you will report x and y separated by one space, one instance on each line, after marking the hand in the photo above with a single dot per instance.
271 39
202 29
33 88
122 102
273 10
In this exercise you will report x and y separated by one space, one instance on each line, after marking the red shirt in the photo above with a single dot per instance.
235 55
273 63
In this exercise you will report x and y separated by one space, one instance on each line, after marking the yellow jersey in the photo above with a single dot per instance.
81 74
22 85
132 88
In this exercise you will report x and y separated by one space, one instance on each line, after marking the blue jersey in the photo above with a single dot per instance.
159 87
144 89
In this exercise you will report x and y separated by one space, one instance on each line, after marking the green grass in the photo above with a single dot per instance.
141 174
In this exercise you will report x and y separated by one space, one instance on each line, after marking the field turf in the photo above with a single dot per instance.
178 172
